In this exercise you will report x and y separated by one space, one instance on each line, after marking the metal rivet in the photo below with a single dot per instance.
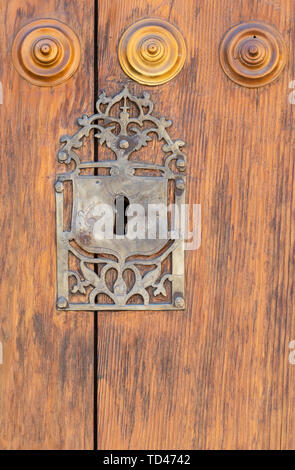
59 187
179 183
179 302
62 156
124 144
62 302
181 164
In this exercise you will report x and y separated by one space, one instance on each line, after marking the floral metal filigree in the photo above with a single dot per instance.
124 133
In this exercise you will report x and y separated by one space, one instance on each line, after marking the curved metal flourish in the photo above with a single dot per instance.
124 132
119 294
131 128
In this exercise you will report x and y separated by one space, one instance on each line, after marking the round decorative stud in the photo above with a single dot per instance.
179 302
46 52
62 302
180 163
180 184
59 187
152 51
124 144
253 54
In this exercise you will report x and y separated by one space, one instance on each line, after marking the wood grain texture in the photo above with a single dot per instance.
217 375
46 379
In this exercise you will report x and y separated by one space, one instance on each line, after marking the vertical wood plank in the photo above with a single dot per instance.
217 375
46 379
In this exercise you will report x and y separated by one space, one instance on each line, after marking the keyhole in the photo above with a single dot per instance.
120 222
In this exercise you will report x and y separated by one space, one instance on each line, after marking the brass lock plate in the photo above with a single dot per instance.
122 250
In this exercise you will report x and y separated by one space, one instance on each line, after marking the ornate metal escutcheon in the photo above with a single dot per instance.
120 272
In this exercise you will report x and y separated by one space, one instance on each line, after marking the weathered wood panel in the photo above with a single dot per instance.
217 375
46 379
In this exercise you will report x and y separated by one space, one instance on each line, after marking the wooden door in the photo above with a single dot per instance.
216 375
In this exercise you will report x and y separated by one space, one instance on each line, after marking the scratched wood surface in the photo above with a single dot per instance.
46 379
215 376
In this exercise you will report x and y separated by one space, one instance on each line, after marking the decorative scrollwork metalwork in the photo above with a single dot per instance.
124 133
